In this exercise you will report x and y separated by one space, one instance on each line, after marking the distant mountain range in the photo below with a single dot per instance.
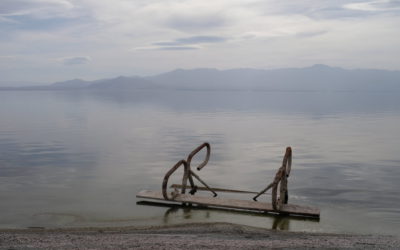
315 78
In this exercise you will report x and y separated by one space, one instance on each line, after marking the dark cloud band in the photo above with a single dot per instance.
76 60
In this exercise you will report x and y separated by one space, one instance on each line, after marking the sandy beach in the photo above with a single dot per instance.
187 236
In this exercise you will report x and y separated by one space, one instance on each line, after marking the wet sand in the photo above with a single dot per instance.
187 236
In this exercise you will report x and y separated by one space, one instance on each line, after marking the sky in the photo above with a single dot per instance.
56 40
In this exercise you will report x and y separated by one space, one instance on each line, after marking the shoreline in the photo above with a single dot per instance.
184 236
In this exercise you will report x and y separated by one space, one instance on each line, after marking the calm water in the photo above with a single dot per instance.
71 159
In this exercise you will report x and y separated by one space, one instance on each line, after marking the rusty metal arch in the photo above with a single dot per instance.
281 180
199 167
169 173
198 149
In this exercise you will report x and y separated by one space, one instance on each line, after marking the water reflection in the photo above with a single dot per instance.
179 212
316 104
281 223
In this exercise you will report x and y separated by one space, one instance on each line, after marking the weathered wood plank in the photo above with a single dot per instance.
232 203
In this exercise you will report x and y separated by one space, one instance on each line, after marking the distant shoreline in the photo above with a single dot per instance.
314 78
186 236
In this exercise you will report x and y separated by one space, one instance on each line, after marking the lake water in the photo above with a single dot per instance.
77 159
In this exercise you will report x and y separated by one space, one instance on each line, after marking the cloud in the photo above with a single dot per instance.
178 48
193 40
185 43
311 33
375 6
75 60
199 22
8 57
331 9
6 20
175 47
168 34
34 7
355 9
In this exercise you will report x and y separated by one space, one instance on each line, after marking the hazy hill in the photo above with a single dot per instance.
314 78
70 84
118 83
122 82
14 84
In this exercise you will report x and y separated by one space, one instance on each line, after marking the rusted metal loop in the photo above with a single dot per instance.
280 180
287 161
170 172
277 181
198 149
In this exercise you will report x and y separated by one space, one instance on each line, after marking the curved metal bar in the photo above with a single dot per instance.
287 166
170 172
280 180
287 160
263 191
276 202
194 187
198 149
202 182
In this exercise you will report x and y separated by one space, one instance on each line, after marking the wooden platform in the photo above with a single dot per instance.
232 203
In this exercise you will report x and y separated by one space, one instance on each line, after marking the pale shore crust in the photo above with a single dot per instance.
187 236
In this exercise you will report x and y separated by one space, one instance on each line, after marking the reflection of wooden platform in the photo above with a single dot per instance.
232 203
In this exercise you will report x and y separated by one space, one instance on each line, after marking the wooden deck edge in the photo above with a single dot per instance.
289 209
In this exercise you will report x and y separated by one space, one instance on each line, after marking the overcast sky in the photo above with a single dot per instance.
51 40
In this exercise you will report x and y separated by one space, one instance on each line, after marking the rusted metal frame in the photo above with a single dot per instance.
184 180
198 149
287 164
191 173
289 161
192 185
277 179
281 180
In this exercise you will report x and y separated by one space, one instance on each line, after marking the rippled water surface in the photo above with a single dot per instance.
72 159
